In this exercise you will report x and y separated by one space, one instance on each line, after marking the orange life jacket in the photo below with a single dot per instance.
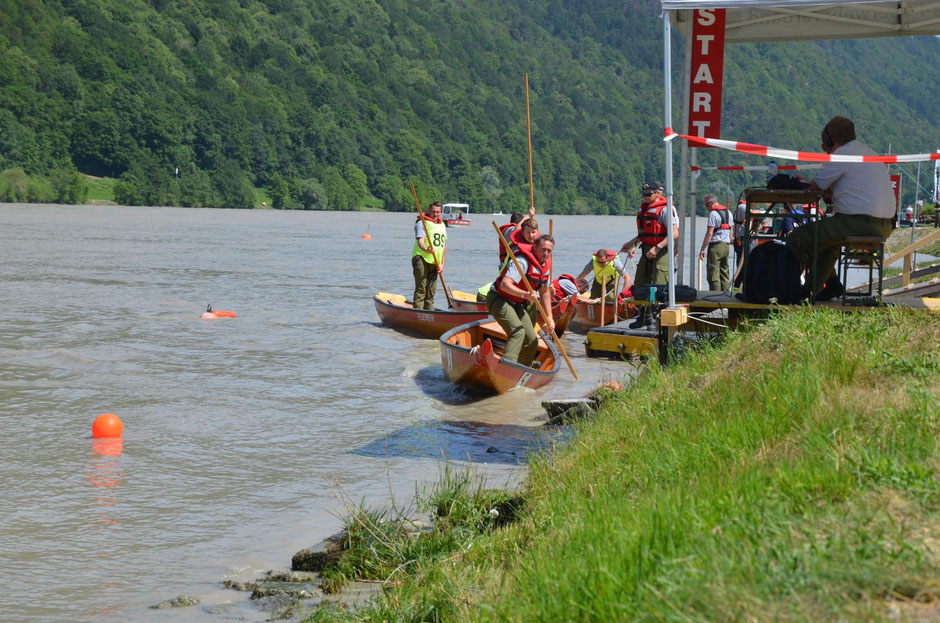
536 273
505 231
723 214
557 292
648 227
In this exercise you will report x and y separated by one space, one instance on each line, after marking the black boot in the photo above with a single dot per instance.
640 321
831 289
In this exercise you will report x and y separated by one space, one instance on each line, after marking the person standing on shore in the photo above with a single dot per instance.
651 225
513 307
428 246
717 243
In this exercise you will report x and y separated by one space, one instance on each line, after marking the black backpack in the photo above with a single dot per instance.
773 271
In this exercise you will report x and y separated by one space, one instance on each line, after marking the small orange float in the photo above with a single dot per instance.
218 313
107 426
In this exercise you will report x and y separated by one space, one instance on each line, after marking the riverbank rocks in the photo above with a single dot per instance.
315 558
567 411
181 601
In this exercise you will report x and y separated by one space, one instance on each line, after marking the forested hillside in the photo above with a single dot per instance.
324 102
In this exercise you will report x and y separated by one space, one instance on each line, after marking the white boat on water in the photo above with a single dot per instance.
456 214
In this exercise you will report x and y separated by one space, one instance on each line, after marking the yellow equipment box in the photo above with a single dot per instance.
619 340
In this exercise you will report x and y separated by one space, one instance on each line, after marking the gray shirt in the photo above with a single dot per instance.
714 220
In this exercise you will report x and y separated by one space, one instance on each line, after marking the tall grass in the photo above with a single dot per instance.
790 474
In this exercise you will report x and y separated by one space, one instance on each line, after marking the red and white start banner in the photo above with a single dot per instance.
791 154
708 62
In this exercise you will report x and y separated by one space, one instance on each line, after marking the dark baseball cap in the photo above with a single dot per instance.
650 187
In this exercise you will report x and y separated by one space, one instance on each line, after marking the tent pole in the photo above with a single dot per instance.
693 204
667 78
684 173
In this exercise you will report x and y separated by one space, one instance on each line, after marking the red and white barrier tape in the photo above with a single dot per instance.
789 154
763 167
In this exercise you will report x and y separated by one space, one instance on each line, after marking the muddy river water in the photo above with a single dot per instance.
234 428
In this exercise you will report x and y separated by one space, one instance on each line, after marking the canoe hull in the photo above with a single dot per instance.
588 315
395 312
469 358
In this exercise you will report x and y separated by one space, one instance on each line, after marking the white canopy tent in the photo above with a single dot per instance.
785 20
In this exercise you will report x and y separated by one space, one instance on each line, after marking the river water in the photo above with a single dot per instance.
237 432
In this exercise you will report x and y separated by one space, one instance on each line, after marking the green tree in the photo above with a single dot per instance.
280 193
312 194
355 178
126 193
69 186
14 185
492 189
391 189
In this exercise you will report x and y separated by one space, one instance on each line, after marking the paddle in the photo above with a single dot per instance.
528 129
616 293
538 304
603 299
427 236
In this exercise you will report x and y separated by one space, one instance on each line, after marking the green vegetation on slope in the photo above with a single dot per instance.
789 474
322 103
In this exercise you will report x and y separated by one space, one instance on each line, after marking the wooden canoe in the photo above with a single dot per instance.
395 312
470 355
562 312
588 314
465 301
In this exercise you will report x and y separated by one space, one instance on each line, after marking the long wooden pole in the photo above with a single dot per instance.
535 294
427 236
553 236
603 300
616 292
528 129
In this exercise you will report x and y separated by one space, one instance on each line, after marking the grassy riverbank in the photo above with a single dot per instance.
791 473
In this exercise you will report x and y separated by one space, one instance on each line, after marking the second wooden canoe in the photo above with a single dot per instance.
396 312
588 314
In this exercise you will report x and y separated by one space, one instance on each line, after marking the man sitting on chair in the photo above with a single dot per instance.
861 196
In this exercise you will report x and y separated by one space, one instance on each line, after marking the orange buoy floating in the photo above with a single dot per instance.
219 313
107 426
367 236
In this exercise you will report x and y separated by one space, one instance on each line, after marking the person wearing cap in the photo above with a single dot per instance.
651 224
717 243
861 196
604 266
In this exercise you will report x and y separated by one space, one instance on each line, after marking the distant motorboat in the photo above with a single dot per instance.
455 214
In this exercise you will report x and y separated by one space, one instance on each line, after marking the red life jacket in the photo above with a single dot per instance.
428 219
517 242
505 231
648 227
723 214
536 273
557 292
